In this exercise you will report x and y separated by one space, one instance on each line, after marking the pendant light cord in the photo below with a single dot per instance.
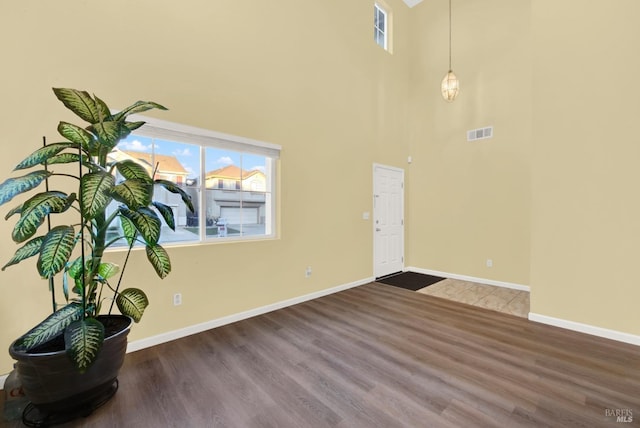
449 35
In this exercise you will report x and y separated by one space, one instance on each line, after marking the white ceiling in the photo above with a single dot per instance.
412 3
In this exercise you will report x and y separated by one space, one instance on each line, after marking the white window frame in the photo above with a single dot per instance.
381 9
204 138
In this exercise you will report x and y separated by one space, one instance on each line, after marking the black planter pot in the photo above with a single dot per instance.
51 382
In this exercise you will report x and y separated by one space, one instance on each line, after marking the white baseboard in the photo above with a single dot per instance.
586 328
208 325
469 278
556 322
198 328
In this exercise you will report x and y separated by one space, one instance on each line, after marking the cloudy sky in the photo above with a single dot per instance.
188 154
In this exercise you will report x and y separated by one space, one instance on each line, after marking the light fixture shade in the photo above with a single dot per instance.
450 86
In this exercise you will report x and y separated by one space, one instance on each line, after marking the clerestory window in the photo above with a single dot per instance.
380 26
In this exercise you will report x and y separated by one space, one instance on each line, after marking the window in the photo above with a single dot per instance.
231 180
380 25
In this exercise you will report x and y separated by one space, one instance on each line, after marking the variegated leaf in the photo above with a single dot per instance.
128 229
110 133
51 327
96 193
134 125
15 186
63 158
79 102
14 210
83 340
132 302
107 270
74 268
159 259
146 222
130 169
167 214
103 109
137 107
65 287
43 154
56 250
78 135
35 210
135 193
174 188
29 249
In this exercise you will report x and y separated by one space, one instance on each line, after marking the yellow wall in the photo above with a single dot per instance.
586 204
471 201
550 199
302 74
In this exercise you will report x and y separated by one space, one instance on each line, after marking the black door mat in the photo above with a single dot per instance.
409 280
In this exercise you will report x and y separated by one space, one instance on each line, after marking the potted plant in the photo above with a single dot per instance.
74 354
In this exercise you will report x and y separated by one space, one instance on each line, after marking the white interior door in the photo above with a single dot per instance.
388 220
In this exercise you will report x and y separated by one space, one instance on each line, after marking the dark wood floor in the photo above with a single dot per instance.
377 356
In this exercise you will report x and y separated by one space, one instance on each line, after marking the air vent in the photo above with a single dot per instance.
480 133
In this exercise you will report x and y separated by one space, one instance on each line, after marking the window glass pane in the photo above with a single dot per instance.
178 163
379 26
237 200
231 190
255 204
223 197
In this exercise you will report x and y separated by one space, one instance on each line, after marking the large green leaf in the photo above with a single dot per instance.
134 125
132 302
51 327
78 135
75 271
107 270
103 109
146 222
109 133
56 250
135 193
167 214
137 107
81 103
83 341
15 186
29 249
96 193
74 268
128 229
174 188
159 259
130 169
35 211
65 158
43 154
12 211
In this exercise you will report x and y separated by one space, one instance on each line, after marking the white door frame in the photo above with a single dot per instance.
398 265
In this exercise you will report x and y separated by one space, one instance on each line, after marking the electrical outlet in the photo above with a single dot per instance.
177 299
489 263
307 272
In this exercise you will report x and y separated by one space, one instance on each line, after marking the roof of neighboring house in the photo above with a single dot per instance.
166 163
232 172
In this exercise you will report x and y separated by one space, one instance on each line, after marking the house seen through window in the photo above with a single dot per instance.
231 180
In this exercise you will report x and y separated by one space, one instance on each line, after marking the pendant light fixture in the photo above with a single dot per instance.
450 84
